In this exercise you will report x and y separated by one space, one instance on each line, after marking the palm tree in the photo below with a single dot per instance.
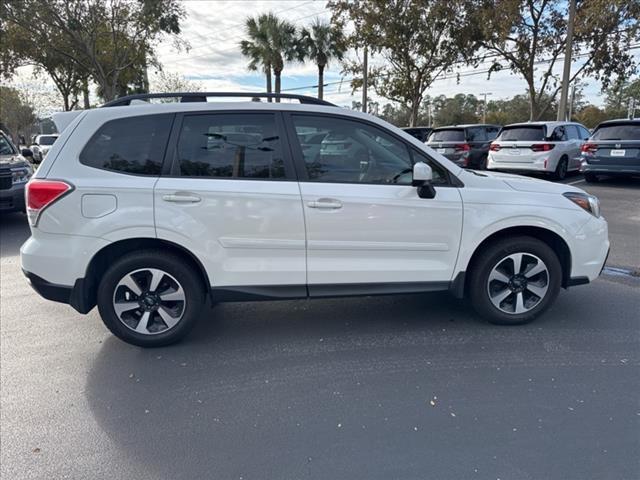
258 48
284 45
322 43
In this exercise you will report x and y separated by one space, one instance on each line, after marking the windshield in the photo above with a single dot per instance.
47 139
625 131
5 146
449 135
529 133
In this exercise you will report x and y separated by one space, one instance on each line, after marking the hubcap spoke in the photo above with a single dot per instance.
499 276
176 296
516 258
499 297
131 284
535 270
122 307
538 291
520 308
167 318
156 278
143 323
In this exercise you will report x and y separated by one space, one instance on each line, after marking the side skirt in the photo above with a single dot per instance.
289 292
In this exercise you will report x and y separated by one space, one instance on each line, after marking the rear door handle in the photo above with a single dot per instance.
181 198
325 203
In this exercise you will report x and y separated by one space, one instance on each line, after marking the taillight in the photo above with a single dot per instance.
42 193
542 147
495 147
589 148
465 147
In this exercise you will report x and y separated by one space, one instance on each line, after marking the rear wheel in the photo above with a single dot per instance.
590 177
515 280
150 298
561 169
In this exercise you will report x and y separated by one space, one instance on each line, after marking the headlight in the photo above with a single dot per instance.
21 175
587 202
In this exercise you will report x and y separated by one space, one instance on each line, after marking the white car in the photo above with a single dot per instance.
41 146
152 211
549 147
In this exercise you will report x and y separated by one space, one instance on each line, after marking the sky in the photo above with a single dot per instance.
213 29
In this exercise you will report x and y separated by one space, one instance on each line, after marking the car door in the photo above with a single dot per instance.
367 228
575 143
231 198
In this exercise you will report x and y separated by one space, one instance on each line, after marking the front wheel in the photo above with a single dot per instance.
150 298
515 280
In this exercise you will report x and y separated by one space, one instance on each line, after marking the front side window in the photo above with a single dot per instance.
129 145
572 132
492 133
351 151
584 133
237 145
5 146
476 134
47 139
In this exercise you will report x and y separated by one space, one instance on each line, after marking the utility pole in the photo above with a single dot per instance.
562 107
365 79
484 106
573 98
631 112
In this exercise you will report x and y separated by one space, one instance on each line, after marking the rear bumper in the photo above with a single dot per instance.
74 296
12 199
611 169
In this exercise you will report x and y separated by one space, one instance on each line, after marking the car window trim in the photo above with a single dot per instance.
301 167
173 163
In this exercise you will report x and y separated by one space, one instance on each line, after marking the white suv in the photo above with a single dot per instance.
151 211
549 147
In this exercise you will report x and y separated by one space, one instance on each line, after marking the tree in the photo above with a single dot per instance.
165 82
514 110
619 95
16 116
272 43
107 39
257 48
590 116
530 35
322 43
418 41
455 110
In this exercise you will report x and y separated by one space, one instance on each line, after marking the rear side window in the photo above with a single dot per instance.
476 134
449 135
242 145
522 133
619 131
129 145
572 132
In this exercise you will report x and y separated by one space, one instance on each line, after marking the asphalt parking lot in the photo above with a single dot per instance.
406 387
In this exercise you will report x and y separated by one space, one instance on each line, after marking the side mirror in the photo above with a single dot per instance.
422 177
26 152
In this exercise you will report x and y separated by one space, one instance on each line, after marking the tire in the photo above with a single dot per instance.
590 177
178 297
561 169
483 292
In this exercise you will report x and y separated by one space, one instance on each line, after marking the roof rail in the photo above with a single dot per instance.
186 97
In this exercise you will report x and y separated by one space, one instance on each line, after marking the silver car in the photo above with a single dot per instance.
550 147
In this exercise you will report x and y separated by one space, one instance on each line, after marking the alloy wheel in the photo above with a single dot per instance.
518 283
149 301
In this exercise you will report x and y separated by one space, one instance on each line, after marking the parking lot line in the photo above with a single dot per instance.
575 182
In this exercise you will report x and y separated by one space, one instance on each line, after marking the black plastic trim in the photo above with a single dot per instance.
575 281
457 285
365 289
257 293
48 290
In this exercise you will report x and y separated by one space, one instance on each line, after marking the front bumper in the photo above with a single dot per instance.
12 199
590 250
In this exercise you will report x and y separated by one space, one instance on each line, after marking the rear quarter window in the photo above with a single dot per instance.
625 131
133 145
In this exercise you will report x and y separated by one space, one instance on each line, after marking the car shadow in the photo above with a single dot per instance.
14 231
209 404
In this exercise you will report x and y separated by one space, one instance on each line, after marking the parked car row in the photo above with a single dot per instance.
15 172
553 148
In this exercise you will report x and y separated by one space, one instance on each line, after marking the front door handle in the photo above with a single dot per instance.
181 198
325 203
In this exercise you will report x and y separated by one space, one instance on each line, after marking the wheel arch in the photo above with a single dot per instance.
551 238
85 293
